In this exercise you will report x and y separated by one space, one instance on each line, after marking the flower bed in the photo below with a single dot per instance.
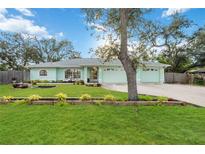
123 103
97 101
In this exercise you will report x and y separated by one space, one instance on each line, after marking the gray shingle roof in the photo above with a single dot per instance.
86 62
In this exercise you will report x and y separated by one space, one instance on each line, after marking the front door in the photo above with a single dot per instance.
93 74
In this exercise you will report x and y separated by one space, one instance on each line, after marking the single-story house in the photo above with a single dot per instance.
95 70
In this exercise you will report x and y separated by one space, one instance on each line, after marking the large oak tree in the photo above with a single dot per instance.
121 30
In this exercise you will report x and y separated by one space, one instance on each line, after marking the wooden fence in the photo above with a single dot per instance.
177 78
6 76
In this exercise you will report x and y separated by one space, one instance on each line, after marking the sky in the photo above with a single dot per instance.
70 23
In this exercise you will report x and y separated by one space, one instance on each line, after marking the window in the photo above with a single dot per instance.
72 74
43 73
113 69
146 69
150 69
76 74
68 74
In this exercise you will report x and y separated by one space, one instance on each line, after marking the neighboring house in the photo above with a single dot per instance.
199 71
95 70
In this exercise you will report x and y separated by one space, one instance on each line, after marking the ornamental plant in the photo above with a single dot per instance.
109 98
34 98
162 100
7 98
61 96
85 97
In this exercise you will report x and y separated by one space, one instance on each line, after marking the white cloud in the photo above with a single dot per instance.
172 11
97 27
21 25
25 12
3 11
61 34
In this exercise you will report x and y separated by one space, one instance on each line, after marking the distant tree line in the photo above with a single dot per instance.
19 50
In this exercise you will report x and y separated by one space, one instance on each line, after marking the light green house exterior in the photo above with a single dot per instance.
95 70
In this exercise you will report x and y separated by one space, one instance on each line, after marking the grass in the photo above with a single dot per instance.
92 124
69 90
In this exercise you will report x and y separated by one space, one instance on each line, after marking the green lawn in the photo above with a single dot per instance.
69 89
91 124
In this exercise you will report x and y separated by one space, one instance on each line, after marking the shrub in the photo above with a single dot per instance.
61 104
27 81
85 97
145 98
93 84
7 98
162 98
58 81
109 98
200 82
79 82
20 102
34 82
44 81
88 85
61 96
34 98
98 85
75 82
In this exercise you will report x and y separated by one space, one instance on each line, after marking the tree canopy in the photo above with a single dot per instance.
105 24
18 50
173 43
121 30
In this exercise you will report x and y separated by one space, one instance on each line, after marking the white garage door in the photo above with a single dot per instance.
114 75
150 75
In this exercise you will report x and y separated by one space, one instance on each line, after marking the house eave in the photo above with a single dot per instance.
90 63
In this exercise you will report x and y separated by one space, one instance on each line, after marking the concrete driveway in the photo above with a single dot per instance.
187 93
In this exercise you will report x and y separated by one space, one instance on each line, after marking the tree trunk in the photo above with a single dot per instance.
124 58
